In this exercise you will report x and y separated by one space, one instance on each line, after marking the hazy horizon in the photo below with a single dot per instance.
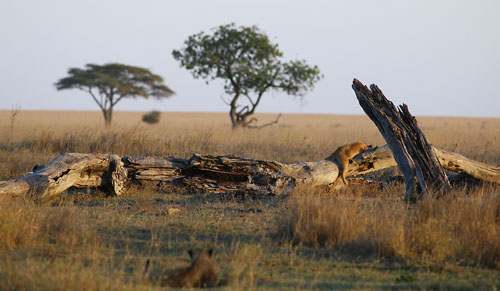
227 113
441 58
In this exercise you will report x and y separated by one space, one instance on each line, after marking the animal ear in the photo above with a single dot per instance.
146 267
210 252
190 252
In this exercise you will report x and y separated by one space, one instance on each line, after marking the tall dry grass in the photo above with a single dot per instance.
243 267
461 228
45 247
25 225
77 274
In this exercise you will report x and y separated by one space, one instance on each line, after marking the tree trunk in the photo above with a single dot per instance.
108 115
232 111
217 174
232 115
411 149
240 120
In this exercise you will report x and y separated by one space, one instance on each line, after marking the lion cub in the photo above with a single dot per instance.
346 152
201 273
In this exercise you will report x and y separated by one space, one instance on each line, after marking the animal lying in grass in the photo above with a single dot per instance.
201 272
346 152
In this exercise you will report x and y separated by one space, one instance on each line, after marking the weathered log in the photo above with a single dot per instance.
70 170
210 174
411 150
459 164
216 174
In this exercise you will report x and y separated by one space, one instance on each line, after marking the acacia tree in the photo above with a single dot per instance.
248 63
110 83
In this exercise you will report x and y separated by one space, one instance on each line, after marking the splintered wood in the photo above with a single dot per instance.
411 150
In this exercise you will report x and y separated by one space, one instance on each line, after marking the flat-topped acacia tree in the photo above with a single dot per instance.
110 83
248 63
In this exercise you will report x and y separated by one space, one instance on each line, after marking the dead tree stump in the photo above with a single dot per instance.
411 150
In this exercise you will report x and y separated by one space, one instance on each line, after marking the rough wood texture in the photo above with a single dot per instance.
214 174
223 174
411 150
233 175
70 170
459 164
428 166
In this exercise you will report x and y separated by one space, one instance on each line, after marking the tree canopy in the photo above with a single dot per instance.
248 63
110 83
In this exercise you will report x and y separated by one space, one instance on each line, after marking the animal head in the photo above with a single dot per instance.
200 255
201 273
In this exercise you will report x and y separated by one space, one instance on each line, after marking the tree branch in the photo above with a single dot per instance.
257 101
265 125
241 111
95 99
117 100
225 102
250 100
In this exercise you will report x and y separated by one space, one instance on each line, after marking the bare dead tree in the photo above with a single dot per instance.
410 148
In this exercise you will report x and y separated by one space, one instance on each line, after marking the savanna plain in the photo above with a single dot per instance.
355 238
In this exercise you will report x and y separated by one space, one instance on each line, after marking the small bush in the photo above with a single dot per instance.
151 117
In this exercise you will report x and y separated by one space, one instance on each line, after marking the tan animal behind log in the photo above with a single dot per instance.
201 273
346 152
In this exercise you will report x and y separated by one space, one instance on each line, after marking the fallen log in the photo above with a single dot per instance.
70 170
216 174
459 164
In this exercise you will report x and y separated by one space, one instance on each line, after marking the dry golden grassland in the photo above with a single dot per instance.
355 239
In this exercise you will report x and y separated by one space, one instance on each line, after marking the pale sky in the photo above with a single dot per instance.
441 57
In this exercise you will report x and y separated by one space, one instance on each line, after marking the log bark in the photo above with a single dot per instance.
215 174
459 164
411 150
